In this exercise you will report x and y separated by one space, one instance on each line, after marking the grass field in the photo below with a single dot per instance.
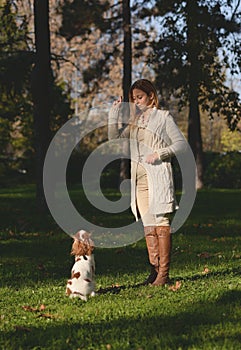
200 310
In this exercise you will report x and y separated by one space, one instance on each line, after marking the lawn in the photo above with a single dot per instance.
199 310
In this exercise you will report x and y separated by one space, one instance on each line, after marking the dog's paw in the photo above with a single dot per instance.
92 294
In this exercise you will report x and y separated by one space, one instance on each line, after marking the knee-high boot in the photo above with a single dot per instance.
153 252
164 241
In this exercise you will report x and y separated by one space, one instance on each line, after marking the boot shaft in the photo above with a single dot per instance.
164 243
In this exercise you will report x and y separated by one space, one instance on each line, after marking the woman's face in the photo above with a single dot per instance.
141 99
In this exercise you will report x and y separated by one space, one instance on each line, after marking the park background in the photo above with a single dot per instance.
63 59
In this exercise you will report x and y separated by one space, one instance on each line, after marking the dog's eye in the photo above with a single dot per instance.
85 257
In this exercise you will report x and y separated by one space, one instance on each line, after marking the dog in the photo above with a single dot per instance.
82 282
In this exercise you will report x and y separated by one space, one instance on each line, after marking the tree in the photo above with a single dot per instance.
127 49
17 58
42 83
187 62
15 62
126 80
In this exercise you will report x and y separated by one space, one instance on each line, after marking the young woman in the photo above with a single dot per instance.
154 139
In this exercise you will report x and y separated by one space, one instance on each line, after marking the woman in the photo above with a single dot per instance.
154 139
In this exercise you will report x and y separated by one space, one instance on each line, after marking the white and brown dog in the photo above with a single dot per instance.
82 282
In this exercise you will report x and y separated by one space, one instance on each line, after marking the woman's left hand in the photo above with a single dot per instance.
152 158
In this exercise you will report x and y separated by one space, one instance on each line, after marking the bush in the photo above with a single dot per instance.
16 171
224 171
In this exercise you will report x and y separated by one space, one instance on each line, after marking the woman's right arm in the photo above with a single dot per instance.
113 130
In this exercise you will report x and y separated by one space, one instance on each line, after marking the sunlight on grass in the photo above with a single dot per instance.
200 310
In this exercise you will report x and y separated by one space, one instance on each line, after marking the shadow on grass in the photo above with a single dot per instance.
47 258
117 289
201 326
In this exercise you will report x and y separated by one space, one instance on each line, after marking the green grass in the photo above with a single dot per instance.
204 313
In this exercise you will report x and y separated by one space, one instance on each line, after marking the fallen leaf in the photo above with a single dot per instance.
42 307
41 267
205 271
204 255
29 308
219 239
175 287
34 309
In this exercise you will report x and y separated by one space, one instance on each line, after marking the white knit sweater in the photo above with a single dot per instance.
163 137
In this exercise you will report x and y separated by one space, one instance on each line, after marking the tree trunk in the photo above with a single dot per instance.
126 82
194 134
41 90
127 49
194 124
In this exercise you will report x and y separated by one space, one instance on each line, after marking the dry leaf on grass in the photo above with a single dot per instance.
204 255
29 308
34 309
205 271
176 286
41 308
41 267
219 239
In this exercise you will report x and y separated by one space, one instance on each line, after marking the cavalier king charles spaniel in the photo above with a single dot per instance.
82 282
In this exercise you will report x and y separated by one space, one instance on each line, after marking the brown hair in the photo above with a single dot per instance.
146 86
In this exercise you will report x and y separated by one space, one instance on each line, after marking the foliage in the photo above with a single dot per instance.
5 128
16 107
231 141
15 62
181 42
201 311
91 14
224 171
97 35
192 35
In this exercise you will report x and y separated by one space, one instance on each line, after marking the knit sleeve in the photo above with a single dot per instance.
114 132
177 142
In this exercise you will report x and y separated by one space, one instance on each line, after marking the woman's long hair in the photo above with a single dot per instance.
146 86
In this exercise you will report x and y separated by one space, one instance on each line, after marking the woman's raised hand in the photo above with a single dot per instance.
118 102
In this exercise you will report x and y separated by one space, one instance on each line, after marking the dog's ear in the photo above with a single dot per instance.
90 249
75 247
78 248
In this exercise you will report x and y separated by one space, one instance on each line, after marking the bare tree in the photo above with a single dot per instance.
41 90
126 80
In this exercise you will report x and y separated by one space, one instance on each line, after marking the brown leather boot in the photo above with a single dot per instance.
164 240
153 252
